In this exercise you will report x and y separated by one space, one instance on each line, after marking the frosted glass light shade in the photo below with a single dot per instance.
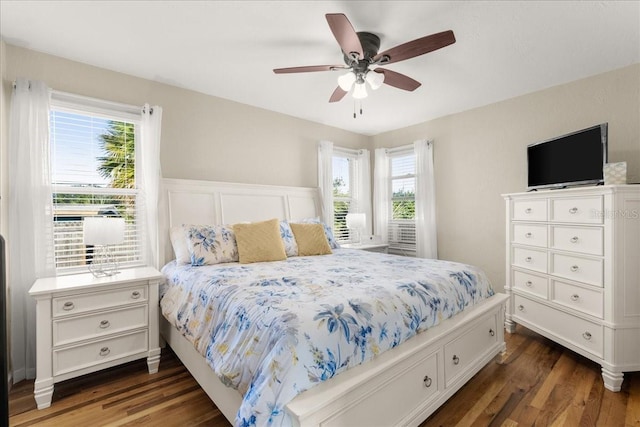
102 231
374 79
356 220
360 91
345 81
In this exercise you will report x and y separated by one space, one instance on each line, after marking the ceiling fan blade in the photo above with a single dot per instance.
398 80
345 34
417 47
307 69
337 95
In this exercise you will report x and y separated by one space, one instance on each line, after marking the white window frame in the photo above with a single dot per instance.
402 232
76 104
351 156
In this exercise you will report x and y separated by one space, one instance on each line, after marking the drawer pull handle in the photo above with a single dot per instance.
586 336
104 351
574 268
528 235
521 307
427 381
528 283
528 259
135 294
104 324
528 210
574 239
492 332
68 306
456 359
575 297
573 210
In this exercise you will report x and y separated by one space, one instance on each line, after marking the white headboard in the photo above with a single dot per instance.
210 202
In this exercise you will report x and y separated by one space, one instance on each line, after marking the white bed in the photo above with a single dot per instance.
402 386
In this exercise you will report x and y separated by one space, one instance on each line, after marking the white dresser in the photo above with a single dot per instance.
85 324
573 272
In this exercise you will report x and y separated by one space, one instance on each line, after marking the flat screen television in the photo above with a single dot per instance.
576 158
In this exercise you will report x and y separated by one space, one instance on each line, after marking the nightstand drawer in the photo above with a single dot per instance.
531 283
530 234
584 270
531 259
73 329
586 240
530 210
94 353
585 210
81 303
589 301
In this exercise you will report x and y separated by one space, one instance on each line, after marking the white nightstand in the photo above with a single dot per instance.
371 247
85 324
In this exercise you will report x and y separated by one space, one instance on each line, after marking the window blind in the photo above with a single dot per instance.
342 167
402 225
93 174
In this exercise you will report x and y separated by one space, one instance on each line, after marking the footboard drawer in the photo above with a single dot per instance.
460 353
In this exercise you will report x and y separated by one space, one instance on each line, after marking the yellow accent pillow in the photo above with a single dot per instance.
311 239
259 241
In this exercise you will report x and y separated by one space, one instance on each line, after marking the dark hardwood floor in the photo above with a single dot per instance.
537 383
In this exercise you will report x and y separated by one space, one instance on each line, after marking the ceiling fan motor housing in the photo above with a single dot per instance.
370 46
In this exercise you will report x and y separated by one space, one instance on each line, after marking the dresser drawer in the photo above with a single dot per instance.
94 353
531 283
585 210
466 348
585 270
530 234
530 210
588 301
530 258
81 303
586 240
72 329
579 332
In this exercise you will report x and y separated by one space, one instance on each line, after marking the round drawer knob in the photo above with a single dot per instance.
586 336
528 235
528 283
427 381
575 297
135 294
528 259
528 210
492 332
574 239
104 351
573 210
456 359
68 306
521 307
574 268
104 324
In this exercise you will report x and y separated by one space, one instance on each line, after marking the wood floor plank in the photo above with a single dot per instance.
535 383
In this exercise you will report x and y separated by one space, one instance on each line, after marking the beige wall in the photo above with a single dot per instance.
203 137
481 153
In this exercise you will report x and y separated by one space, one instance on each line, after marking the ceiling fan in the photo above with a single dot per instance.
360 52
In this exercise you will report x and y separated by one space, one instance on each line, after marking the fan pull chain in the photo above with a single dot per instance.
354 108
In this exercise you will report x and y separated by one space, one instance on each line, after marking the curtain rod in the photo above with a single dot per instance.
87 99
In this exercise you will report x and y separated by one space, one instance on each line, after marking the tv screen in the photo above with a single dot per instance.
573 159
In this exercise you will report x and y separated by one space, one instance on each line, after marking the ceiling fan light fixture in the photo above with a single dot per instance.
345 81
374 79
360 91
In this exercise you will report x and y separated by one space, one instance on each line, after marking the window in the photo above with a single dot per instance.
402 220
93 173
342 166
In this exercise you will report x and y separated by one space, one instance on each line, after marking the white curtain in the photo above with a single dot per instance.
362 187
381 194
30 238
426 234
325 179
151 176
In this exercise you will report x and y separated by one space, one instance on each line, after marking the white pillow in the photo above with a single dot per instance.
178 236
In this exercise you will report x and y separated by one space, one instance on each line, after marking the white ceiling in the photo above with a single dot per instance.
229 48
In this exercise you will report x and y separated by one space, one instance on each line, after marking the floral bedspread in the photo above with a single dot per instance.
273 330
